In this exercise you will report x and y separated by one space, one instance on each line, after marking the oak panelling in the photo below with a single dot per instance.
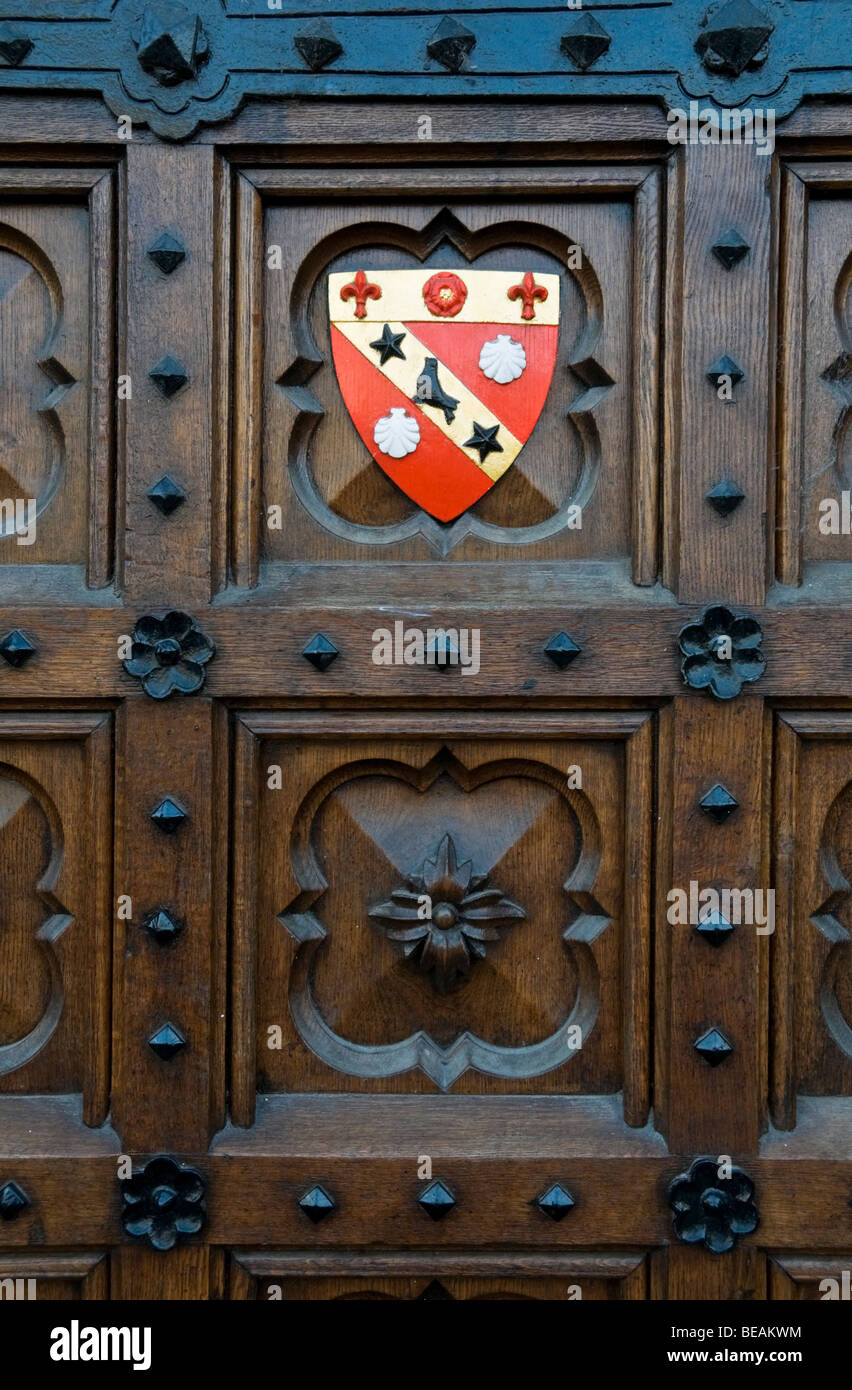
363 809
57 267
497 1153
55 933
65 1167
293 434
188 1272
719 311
815 363
311 129
78 1276
405 1275
799 1278
315 129
812 956
692 1274
170 749
628 653
700 987
170 315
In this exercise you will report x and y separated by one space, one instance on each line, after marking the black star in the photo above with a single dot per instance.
388 344
484 439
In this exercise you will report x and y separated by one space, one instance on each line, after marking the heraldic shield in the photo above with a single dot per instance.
444 374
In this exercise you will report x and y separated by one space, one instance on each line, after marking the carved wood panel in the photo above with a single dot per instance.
423 909
815 350
56 395
594 446
812 963
55 935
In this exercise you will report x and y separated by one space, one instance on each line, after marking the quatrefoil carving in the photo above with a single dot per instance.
827 918
31 996
356 837
32 318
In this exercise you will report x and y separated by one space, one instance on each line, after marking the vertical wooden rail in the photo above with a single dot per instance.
712 1110
716 1110
174 747
721 312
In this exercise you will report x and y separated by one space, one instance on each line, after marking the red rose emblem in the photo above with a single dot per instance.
444 294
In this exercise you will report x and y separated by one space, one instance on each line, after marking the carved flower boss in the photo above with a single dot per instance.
444 916
721 652
163 1202
169 654
711 1210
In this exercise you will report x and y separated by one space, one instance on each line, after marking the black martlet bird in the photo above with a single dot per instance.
431 392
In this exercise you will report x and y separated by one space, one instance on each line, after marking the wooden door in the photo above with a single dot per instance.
331 974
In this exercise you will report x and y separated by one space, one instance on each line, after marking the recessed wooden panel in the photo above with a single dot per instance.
812 963
55 772
50 1277
815 347
811 1278
457 1278
828 374
525 976
594 443
56 394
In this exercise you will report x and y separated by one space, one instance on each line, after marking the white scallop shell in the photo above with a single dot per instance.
397 434
502 359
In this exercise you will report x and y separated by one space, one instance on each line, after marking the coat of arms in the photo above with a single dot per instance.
444 374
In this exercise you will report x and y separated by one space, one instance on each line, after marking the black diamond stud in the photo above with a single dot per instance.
562 650
16 648
320 652
167 253
318 45
163 927
167 1042
13 1200
585 41
170 42
725 497
725 366
388 345
714 928
168 376
718 803
168 816
713 1046
734 38
437 1201
451 45
166 495
442 653
555 1202
317 1204
14 46
730 248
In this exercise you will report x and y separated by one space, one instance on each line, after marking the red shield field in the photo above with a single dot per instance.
444 373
